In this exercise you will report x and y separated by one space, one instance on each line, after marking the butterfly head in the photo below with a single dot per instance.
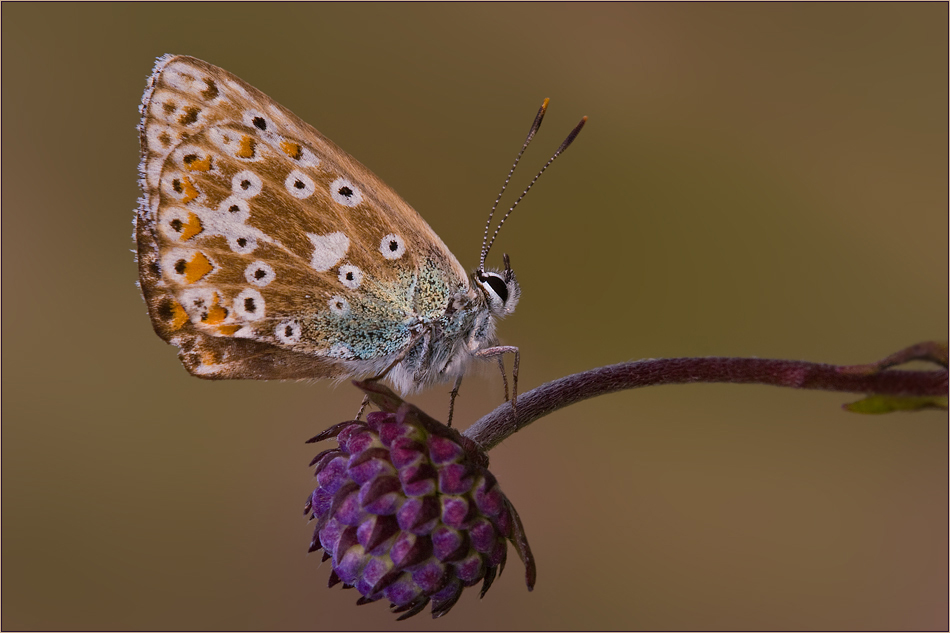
500 289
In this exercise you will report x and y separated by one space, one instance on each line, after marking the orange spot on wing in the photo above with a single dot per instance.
228 330
207 358
198 267
200 165
190 228
247 147
178 316
216 314
291 149
189 190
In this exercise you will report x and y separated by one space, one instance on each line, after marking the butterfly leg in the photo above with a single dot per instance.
504 374
452 396
359 414
498 352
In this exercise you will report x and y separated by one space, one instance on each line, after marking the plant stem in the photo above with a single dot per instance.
493 428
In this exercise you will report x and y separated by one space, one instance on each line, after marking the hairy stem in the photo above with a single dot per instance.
490 430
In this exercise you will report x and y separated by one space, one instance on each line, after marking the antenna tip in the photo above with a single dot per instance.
570 137
544 106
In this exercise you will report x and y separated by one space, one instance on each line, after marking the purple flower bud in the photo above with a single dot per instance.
407 511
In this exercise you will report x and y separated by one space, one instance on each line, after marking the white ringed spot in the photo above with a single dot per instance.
195 301
178 224
260 274
392 246
351 276
191 158
338 305
328 250
235 143
181 187
288 332
296 151
243 244
299 185
249 305
160 137
235 209
246 184
345 192
174 109
186 266
255 119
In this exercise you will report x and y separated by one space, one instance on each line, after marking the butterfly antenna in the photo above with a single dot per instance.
567 142
534 129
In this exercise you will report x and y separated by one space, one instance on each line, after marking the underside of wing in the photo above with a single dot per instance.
265 251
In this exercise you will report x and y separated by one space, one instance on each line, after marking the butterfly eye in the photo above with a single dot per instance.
498 285
502 292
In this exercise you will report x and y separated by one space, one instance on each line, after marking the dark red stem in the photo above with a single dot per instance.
490 430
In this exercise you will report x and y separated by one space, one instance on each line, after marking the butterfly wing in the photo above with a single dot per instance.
265 251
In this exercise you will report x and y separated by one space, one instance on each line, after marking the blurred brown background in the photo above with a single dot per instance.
766 180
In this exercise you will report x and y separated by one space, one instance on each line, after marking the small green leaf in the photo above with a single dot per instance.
889 404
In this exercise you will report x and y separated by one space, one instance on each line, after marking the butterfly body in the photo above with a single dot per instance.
266 252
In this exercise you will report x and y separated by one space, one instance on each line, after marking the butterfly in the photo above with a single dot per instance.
267 252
